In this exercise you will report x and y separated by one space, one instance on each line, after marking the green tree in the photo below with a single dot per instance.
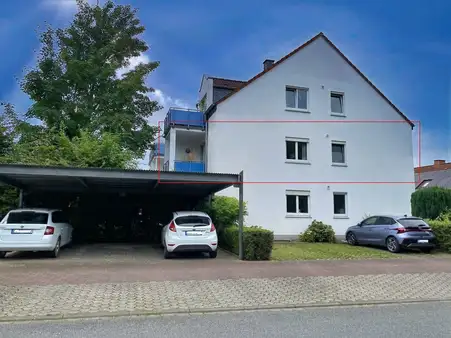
54 148
8 124
76 85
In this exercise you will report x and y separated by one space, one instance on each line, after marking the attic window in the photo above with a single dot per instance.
424 184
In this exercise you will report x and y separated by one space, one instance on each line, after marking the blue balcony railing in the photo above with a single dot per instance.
190 167
184 118
157 152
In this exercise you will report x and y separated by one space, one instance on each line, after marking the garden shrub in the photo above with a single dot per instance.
442 230
318 232
430 202
258 242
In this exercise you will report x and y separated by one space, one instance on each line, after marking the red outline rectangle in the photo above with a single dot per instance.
298 121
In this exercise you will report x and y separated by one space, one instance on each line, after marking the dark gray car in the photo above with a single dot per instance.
393 232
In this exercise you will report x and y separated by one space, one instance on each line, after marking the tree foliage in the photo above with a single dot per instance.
90 107
8 127
77 86
54 148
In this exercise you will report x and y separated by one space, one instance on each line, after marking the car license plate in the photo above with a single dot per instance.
21 231
192 233
423 241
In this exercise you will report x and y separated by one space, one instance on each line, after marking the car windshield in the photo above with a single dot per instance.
182 220
27 217
412 222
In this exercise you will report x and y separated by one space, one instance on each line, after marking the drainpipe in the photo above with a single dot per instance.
206 145
241 218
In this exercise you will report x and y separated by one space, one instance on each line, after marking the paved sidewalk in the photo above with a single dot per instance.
84 300
48 289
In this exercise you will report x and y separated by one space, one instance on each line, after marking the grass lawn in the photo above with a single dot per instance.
314 251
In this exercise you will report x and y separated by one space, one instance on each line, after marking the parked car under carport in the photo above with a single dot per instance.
113 205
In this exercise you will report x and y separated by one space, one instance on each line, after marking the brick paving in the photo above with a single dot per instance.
77 286
174 296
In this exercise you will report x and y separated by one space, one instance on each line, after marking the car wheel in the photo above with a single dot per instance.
351 239
426 250
166 253
393 245
2 254
213 254
55 253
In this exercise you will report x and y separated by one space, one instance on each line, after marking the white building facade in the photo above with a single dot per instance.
314 138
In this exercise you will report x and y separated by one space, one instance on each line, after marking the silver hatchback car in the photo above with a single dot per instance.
393 232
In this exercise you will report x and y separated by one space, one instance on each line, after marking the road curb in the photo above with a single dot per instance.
106 314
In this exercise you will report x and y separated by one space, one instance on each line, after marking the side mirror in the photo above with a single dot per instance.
359 224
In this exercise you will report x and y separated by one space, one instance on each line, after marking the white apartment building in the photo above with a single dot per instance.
315 139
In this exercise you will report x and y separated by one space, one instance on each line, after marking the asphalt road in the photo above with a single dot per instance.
408 320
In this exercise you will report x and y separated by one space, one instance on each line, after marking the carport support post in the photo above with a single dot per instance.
241 218
21 198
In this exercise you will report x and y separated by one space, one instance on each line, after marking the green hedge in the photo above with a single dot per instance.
442 229
258 242
430 202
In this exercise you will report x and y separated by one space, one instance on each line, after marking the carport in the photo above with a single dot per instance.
181 189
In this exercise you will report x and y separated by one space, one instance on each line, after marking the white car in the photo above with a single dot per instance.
189 231
34 230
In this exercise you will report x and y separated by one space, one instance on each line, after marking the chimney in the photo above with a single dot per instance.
438 163
267 64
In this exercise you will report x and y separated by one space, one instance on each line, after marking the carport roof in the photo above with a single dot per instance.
65 179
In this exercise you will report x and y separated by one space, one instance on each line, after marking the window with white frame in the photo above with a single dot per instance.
338 152
340 204
296 98
296 149
336 103
298 202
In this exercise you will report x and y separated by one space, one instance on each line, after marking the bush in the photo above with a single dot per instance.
442 230
258 242
224 211
318 232
430 202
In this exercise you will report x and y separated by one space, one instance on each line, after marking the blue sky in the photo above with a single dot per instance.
404 50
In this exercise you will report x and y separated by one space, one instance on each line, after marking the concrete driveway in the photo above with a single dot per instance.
103 254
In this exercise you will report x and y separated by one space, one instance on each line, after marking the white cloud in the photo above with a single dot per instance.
133 62
166 102
63 8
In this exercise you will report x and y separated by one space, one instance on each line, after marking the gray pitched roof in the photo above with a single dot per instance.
441 178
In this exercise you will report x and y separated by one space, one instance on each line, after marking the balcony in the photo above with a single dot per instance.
185 118
157 152
189 167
